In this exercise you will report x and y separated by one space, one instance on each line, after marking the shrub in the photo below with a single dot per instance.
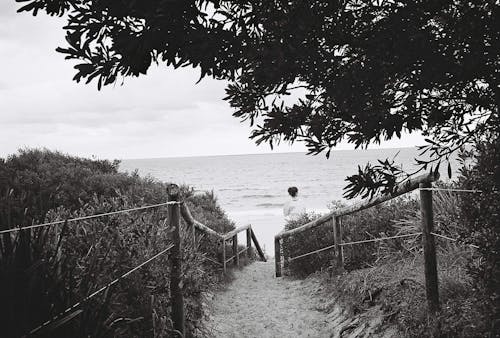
370 223
302 243
46 270
482 223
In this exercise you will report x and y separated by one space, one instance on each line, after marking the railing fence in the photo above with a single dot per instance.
424 184
175 210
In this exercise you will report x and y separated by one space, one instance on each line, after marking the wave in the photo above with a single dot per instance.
269 205
259 196
239 189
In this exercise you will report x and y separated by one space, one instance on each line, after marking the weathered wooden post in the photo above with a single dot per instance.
176 270
277 256
284 254
224 267
257 246
236 259
186 214
430 263
337 240
249 242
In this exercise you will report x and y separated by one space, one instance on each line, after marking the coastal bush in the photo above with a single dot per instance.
397 286
390 274
481 172
399 216
367 224
46 270
303 243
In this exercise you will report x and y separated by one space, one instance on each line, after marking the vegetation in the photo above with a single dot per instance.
46 270
480 215
352 77
390 275
370 223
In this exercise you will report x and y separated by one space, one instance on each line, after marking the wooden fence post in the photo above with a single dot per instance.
176 270
337 240
277 256
249 242
236 259
285 241
224 267
430 262
257 247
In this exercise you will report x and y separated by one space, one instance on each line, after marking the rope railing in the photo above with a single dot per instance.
452 239
453 190
34 226
424 184
95 293
176 209
374 240
213 261
353 243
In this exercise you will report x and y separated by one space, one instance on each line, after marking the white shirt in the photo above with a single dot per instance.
293 208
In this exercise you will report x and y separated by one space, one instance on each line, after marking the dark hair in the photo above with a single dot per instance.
293 191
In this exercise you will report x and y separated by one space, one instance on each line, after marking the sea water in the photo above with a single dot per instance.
253 188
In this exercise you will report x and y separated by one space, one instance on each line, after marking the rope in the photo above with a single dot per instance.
380 239
213 261
452 239
453 190
352 243
19 228
310 253
86 299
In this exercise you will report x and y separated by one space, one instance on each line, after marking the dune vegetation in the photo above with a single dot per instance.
46 270
390 274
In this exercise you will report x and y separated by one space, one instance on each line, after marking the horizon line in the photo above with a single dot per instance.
255 154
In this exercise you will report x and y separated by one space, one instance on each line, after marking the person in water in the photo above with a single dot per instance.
293 207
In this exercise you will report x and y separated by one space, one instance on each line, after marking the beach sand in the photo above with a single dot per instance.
256 304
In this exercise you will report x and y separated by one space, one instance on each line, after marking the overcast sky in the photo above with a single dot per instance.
163 114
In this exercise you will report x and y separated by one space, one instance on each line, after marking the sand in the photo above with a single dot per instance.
256 304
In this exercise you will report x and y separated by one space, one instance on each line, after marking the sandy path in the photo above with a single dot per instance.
256 304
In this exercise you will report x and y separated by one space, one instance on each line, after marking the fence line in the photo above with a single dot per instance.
424 184
176 209
352 243
452 239
453 190
95 293
19 228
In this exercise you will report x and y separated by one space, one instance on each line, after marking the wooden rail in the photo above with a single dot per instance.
423 182
186 215
175 211
401 189
229 236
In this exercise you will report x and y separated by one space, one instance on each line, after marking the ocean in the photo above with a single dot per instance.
252 188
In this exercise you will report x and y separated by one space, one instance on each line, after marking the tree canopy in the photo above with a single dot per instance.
314 71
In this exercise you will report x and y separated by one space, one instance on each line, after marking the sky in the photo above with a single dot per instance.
162 114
